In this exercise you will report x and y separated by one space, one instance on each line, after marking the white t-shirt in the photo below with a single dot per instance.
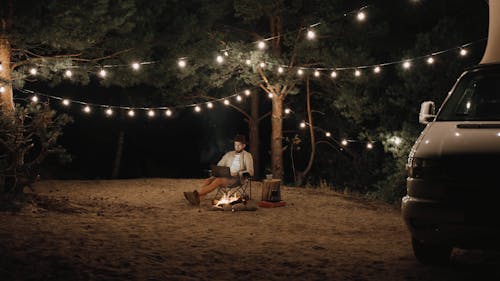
235 166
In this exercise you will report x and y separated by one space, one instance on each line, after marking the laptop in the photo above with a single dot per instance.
221 171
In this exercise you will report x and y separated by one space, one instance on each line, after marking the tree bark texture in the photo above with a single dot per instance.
277 136
301 174
254 135
6 96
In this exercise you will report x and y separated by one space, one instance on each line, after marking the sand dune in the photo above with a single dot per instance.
143 229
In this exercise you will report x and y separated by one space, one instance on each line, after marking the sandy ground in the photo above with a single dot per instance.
143 229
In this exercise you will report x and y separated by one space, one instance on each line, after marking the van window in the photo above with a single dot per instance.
476 98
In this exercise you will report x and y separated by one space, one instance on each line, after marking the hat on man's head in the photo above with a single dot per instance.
240 138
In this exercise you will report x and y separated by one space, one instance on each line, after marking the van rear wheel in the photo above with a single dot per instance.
431 254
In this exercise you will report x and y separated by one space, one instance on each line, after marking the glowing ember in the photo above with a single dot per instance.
226 199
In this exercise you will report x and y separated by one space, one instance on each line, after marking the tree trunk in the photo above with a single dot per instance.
492 52
277 136
6 97
254 135
118 155
299 179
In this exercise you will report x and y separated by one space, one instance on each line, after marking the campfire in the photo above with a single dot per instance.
233 202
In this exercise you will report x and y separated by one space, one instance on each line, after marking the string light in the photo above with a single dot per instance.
302 125
361 16
369 145
287 110
109 111
103 73
463 52
407 64
328 134
248 62
238 98
219 59
300 72
344 142
33 71
86 109
261 45
151 113
131 113
247 92
168 112
182 63
197 108
34 98
376 70
311 34
226 102
262 64
333 74
430 60
280 70
65 102
316 73
226 54
136 66
210 105
2 89
68 73
357 73
270 95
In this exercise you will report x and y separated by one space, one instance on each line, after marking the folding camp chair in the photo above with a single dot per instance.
241 188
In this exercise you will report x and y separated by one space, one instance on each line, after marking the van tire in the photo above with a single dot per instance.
431 254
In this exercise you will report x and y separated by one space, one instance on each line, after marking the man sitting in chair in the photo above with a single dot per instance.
239 162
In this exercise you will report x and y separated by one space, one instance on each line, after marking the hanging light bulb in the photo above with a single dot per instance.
248 62
151 113
280 70
344 142
68 73
270 95
376 69
369 145
219 59
2 89
287 110
247 92
197 108
238 98
333 74
182 63
109 111
34 98
300 72
430 60
261 45
316 73
210 105
86 109
131 113
407 64
136 66
302 125
103 73
463 52
357 73
226 102
65 102
33 71
311 34
361 16
328 134
262 64
168 112
226 54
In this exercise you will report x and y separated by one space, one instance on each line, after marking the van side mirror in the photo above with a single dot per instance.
427 112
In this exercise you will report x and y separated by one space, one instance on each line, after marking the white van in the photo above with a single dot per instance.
453 184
